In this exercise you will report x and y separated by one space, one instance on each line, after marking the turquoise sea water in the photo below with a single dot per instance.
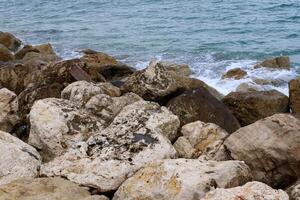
211 36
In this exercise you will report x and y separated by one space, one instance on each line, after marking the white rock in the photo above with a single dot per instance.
133 139
17 159
182 179
57 124
249 191
8 109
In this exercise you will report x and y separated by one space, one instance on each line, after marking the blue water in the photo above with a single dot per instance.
211 36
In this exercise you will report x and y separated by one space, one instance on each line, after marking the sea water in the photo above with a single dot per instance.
212 36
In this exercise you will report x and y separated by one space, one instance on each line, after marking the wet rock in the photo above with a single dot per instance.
281 62
26 49
133 139
179 69
57 124
81 92
200 105
248 87
294 95
204 140
9 108
182 179
104 67
5 54
236 73
45 188
17 159
107 107
248 107
270 147
249 191
294 191
9 41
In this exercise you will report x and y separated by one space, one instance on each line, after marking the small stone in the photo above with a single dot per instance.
236 73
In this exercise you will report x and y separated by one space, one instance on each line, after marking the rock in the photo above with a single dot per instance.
236 73
205 141
107 107
274 82
281 62
294 94
152 83
250 191
9 41
270 147
248 107
248 87
200 105
17 159
81 92
26 49
9 108
133 139
45 188
294 191
57 124
182 179
179 69
45 49
103 66
5 54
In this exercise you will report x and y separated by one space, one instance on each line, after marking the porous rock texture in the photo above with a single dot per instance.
270 147
137 136
45 189
249 191
17 159
182 179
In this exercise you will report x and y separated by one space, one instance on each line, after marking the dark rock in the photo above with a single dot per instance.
10 41
248 107
200 105
5 54
236 73
294 93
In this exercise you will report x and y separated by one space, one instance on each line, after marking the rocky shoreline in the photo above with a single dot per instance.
94 128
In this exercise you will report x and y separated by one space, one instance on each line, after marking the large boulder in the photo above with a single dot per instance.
57 124
106 107
9 41
236 73
248 107
294 191
294 94
8 110
5 54
45 189
25 49
17 159
136 136
270 147
250 191
82 91
203 141
182 179
200 105
179 69
281 62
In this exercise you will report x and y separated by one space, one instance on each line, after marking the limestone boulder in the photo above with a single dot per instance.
250 191
182 179
107 107
200 105
294 95
9 108
5 54
248 87
57 124
136 136
204 140
270 147
17 159
179 69
236 73
9 41
248 107
294 191
281 62
44 189
24 50
82 91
